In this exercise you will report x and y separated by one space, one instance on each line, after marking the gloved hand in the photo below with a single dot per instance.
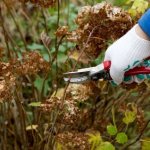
127 52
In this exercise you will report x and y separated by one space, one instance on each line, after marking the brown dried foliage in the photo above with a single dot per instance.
61 31
73 119
31 64
7 82
86 106
72 115
104 23
73 140
140 119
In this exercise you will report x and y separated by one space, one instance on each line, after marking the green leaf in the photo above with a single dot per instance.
105 146
121 138
135 94
111 129
35 104
94 140
30 115
61 58
119 2
38 83
145 143
138 7
130 116
59 146
35 46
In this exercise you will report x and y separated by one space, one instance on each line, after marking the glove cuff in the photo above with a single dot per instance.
144 22
141 47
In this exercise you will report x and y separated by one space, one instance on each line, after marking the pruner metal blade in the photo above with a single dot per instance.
77 77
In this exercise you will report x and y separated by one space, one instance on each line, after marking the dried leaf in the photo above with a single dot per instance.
31 127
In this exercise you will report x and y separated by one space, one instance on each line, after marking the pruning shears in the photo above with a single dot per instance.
100 71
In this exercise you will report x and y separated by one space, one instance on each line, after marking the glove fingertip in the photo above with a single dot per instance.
116 75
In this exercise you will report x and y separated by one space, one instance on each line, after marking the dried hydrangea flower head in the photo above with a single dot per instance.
97 25
72 115
28 66
7 82
73 140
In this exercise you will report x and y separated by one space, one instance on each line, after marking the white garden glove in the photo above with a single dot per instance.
126 53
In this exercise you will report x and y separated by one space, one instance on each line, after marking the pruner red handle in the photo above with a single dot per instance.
138 70
134 71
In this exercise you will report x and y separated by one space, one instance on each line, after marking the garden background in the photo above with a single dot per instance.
42 39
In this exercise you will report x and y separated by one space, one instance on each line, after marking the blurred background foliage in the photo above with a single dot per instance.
38 110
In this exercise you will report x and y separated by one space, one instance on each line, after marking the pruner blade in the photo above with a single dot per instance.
76 77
